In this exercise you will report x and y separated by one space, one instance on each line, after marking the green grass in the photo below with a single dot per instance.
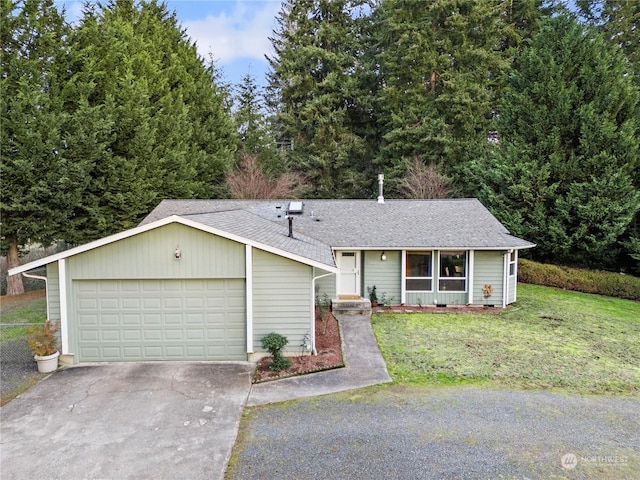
28 308
25 310
551 338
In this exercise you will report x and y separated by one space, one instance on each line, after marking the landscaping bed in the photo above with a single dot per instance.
328 346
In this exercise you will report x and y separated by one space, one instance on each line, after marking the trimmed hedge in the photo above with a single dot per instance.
588 281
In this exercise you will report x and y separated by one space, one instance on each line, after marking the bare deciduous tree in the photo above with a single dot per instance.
250 182
424 181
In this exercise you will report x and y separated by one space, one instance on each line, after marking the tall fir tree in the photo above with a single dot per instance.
40 183
161 127
314 86
563 173
255 137
619 22
440 64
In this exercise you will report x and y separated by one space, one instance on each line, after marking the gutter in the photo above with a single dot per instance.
46 287
313 310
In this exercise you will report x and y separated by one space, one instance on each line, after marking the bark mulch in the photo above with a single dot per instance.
328 346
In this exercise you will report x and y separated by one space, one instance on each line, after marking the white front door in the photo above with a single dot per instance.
349 278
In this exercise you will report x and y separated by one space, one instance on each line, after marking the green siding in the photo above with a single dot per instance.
513 285
488 270
281 299
386 276
53 291
442 298
325 284
150 255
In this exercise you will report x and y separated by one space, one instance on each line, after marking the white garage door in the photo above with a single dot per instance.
133 320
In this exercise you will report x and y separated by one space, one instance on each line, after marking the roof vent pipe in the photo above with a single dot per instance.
380 187
290 226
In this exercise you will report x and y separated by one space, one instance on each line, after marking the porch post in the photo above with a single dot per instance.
64 315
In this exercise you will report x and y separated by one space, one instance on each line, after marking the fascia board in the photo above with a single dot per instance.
160 223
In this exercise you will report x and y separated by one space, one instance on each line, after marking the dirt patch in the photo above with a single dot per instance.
328 346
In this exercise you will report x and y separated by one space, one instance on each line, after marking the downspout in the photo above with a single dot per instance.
313 310
46 287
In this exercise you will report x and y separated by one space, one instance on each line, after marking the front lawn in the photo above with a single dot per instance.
550 338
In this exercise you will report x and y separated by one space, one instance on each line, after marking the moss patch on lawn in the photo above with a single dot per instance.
550 339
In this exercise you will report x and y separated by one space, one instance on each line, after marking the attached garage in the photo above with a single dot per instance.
181 290
136 320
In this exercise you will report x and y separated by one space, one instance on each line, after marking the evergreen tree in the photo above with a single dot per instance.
255 138
314 89
159 126
563 175
619 22
440 64
522 17
40 183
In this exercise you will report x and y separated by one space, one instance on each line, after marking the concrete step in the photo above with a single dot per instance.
351 306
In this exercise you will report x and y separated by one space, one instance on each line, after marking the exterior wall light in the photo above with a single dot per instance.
177 254
383 257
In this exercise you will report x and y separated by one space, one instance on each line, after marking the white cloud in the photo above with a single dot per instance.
243 33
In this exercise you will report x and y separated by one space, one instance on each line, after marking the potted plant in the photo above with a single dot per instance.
373 296
43 342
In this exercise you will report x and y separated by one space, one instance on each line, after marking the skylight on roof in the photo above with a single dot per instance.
295 207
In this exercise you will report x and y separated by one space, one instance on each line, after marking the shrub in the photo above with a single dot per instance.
42 339
373 295
274 343
588 281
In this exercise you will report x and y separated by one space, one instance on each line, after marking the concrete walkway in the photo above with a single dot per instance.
364 366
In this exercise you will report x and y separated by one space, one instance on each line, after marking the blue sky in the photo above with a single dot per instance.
235 31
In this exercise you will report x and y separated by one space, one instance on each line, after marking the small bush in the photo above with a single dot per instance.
42 339
579 280
280 363
274 343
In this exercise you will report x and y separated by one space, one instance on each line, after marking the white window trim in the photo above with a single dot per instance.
513 262
404 272
466 273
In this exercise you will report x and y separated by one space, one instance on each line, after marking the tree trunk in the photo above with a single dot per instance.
14 283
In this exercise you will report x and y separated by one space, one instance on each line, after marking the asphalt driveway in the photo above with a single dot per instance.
126 421
441 433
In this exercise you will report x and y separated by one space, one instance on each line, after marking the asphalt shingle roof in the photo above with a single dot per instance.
326 224
274 234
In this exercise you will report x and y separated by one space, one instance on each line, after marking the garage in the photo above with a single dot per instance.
164 319
177 289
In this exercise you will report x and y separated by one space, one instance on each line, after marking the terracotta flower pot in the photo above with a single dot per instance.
47 363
